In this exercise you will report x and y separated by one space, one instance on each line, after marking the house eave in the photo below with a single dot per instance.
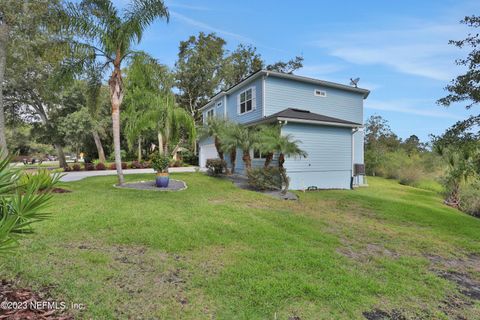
295 120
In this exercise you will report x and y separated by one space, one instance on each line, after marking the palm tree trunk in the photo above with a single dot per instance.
218 146
98 144
160 143
268 159
283 172
61 156
233 159
116 96
3 58
247 160
139 158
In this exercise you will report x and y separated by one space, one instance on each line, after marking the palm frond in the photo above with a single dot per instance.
140 14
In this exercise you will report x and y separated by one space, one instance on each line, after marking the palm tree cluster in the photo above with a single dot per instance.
267 139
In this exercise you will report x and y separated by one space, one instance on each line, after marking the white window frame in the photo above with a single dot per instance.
262 156
320 93
210 113
253 99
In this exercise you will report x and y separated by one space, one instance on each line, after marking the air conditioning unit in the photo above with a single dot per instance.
359 169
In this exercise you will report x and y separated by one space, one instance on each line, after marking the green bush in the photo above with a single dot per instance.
42 179
470 198
215 167
265 178
160 162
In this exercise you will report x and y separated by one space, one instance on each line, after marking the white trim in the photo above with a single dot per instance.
264 86
225 106
252 99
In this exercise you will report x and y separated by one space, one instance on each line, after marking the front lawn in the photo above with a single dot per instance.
215 251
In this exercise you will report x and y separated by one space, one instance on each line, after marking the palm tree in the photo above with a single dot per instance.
271 142
215 127
111 37
269 135
286 146
245 138
171 121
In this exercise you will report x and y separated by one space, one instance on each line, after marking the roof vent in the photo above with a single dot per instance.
300 110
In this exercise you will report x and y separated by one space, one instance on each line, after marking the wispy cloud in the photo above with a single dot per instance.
411 47
415 107
205 26
171 4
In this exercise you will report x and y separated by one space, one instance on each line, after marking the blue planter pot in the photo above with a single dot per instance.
162 181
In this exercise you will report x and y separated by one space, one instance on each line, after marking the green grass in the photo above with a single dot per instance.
214 251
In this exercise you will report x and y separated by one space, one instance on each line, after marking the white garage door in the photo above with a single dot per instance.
207 151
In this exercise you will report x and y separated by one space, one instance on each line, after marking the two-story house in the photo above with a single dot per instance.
325 117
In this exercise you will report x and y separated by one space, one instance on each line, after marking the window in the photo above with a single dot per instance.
210 113
320 93
219 104
245 101
257 154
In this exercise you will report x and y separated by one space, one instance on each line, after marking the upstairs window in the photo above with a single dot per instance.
246 101
320 93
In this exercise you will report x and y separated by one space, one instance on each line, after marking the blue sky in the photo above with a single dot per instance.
399 49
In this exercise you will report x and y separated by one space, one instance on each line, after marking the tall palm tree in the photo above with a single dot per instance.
245 138
111 35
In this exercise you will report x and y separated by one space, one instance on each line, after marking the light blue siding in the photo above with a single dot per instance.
285 93
328 164
232 112
219 110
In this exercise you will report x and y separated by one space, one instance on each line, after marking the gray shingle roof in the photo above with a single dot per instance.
305 115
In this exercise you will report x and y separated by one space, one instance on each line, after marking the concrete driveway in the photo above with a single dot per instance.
79 175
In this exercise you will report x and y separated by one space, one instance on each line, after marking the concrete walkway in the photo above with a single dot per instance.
79 175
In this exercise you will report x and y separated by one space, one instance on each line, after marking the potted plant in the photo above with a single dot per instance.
160 165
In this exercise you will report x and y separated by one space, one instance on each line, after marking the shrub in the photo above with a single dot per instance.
89 166
112 166
67 169
136 165
160 162
42 179
410 175
265 178
76 167
470 198
215 166
146 164
176 163
189 157
100 166
124 165
87 159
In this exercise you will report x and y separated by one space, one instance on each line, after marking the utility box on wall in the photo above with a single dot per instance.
359 169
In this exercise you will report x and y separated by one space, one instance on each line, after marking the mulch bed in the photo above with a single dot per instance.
173 185
22 303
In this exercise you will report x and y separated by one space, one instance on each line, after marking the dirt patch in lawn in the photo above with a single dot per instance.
367 252
22 303
378 314
463 272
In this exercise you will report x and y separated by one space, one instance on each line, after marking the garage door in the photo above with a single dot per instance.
207 151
